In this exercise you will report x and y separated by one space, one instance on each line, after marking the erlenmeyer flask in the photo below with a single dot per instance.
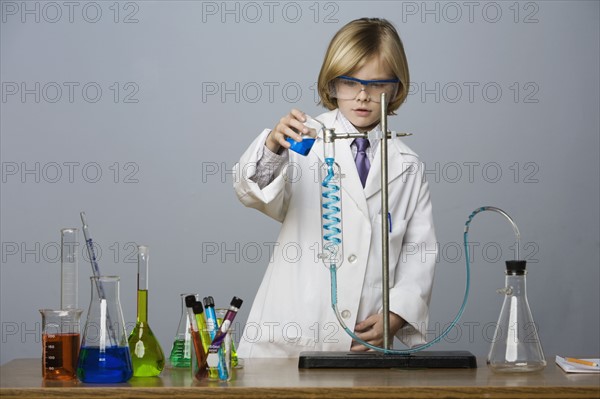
104 354
516 345
146 354
181 352
303 147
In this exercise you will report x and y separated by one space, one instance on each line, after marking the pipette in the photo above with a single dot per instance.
96 272
90 248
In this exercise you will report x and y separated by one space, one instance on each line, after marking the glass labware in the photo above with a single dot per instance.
228 344
222 370
181 351
104 355
308 139
516 345
146 354
68 258
60 343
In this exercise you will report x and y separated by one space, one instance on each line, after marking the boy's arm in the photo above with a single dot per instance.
253 171
268 166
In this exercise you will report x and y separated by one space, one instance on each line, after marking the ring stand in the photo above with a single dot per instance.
423 359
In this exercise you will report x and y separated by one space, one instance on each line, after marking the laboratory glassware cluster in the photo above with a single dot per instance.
106 353
203 342
515 345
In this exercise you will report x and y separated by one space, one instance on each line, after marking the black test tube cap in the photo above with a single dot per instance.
209 301
236 302
190 300
198 308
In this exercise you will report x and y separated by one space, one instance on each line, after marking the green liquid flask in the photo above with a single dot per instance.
181 352
146 354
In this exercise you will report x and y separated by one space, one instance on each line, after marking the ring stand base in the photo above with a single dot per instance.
421 360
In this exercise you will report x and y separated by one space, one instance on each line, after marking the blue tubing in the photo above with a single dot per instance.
331 212
331 225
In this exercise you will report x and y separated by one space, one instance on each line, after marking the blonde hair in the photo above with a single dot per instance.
354 45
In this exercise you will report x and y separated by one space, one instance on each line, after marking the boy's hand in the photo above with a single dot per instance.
371 330
288 126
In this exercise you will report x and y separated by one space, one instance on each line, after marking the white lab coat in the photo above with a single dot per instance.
291 311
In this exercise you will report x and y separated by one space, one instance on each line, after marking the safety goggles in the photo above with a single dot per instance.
348 88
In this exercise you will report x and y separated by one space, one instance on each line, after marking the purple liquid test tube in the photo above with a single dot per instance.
236 304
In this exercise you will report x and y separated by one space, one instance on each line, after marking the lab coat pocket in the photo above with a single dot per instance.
289 343
397 229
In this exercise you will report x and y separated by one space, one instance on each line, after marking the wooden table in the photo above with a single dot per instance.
281 378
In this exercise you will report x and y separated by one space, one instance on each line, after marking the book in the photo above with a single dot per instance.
573 367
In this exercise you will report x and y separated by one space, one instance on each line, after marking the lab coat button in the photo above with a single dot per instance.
352 259
346 314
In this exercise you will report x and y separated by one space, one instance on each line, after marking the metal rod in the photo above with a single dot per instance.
385 256
330 136
390 135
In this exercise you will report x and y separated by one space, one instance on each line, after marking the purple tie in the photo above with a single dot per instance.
362 161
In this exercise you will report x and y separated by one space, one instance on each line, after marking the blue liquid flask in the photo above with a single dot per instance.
104 354
303 147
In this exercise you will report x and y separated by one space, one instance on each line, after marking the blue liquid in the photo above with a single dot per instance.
303 147
113 366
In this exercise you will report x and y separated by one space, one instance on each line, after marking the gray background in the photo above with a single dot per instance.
503 106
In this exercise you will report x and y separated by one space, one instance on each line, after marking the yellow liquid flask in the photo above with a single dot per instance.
146 354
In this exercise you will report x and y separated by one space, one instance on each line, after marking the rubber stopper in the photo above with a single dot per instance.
515 266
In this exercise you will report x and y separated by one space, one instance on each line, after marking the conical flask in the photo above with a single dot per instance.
104 354
146 354
516 345
181 352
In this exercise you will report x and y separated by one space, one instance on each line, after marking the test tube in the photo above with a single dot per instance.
68 288
196 340
219 336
